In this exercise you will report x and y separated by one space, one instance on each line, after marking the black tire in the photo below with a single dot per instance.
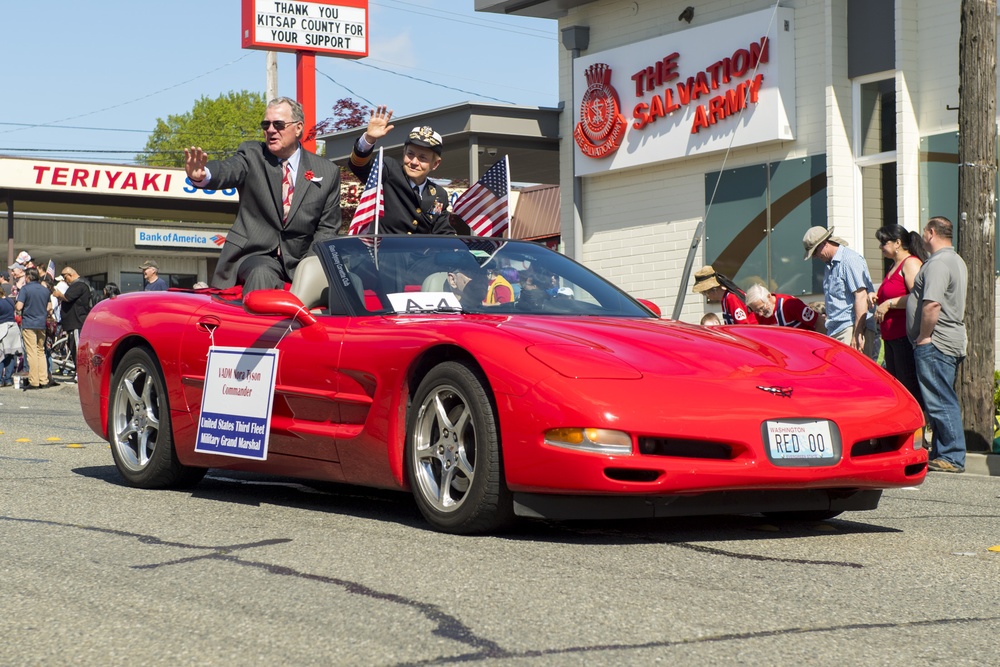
139 430
804 515
452 454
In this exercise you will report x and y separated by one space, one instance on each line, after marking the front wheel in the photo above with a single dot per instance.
453 452
139 426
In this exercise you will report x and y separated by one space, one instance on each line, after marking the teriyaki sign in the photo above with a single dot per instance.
730 83
337 27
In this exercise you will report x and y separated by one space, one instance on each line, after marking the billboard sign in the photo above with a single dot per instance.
330 27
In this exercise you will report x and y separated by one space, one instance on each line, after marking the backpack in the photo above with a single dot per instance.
95 294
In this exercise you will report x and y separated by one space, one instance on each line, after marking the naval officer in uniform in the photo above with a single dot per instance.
413 204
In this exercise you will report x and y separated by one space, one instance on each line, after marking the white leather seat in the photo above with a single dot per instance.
310 284
435 282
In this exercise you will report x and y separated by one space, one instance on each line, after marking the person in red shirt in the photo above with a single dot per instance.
906 250
717 287
782 310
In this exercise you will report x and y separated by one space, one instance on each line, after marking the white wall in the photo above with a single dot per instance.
638 223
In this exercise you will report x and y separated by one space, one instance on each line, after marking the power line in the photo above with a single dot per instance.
492 25
363 98
440 85
122 104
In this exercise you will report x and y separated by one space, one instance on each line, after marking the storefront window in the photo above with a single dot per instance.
878 201
97 280
876 120
939 183
754 228
875 157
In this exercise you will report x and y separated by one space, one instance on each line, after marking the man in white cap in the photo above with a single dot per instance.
846 285
413 204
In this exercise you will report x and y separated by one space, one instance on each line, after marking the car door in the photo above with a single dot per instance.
306 412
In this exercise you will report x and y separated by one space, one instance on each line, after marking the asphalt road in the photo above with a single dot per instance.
267 571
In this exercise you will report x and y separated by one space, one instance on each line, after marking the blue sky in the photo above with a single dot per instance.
93 77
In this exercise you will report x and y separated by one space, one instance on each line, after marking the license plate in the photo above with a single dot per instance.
800 439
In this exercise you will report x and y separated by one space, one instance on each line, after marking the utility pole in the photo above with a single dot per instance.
977 177
272 75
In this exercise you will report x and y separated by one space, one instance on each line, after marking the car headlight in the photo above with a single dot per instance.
598 440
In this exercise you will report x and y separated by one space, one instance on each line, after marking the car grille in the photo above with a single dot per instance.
874 446
691 449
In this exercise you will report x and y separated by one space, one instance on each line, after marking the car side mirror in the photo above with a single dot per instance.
277 302
650 306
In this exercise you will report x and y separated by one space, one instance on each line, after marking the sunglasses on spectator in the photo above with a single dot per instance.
279 125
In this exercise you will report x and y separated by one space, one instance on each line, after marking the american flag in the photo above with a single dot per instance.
484 205
365 220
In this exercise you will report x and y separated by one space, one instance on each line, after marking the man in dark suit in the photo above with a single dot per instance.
413 205
289 198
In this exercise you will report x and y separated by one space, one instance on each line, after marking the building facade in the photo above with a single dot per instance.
759 120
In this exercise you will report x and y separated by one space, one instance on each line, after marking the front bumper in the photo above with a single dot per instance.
562 507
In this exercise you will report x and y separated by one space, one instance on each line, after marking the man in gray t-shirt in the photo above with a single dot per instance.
935 314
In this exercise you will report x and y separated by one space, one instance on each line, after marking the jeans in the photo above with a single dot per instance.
936 376
7 366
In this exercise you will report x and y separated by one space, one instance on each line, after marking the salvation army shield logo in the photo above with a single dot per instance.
602 126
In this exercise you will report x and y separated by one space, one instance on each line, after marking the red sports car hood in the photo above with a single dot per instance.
653 370
642 348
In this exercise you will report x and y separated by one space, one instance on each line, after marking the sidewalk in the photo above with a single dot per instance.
982 463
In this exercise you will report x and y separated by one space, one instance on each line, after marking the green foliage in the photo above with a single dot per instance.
218 126
996 391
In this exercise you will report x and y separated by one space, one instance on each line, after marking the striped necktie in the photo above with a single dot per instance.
287 190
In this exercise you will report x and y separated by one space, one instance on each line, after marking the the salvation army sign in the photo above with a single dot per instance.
338 27
730 83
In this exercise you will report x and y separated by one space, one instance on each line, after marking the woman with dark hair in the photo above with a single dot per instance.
111 290
907 252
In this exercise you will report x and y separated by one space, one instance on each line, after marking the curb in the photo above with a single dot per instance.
982 463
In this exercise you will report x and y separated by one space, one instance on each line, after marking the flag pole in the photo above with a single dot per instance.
510 218
378 189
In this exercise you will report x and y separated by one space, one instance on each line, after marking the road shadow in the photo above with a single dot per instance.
255 490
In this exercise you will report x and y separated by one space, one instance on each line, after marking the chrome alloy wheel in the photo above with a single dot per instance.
444 451
135 416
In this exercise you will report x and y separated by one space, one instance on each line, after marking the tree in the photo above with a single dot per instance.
347 114
218 126
977 177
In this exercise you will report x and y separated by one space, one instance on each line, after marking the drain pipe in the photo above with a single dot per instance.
575 38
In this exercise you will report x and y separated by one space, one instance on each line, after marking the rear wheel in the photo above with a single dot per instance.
453 452
139 426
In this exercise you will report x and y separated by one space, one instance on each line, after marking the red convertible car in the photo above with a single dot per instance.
495 379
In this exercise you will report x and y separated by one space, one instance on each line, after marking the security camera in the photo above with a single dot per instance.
492 152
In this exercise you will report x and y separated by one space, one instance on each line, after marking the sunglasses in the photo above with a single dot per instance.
279 125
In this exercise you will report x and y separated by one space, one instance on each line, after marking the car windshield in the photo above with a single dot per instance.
420 274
